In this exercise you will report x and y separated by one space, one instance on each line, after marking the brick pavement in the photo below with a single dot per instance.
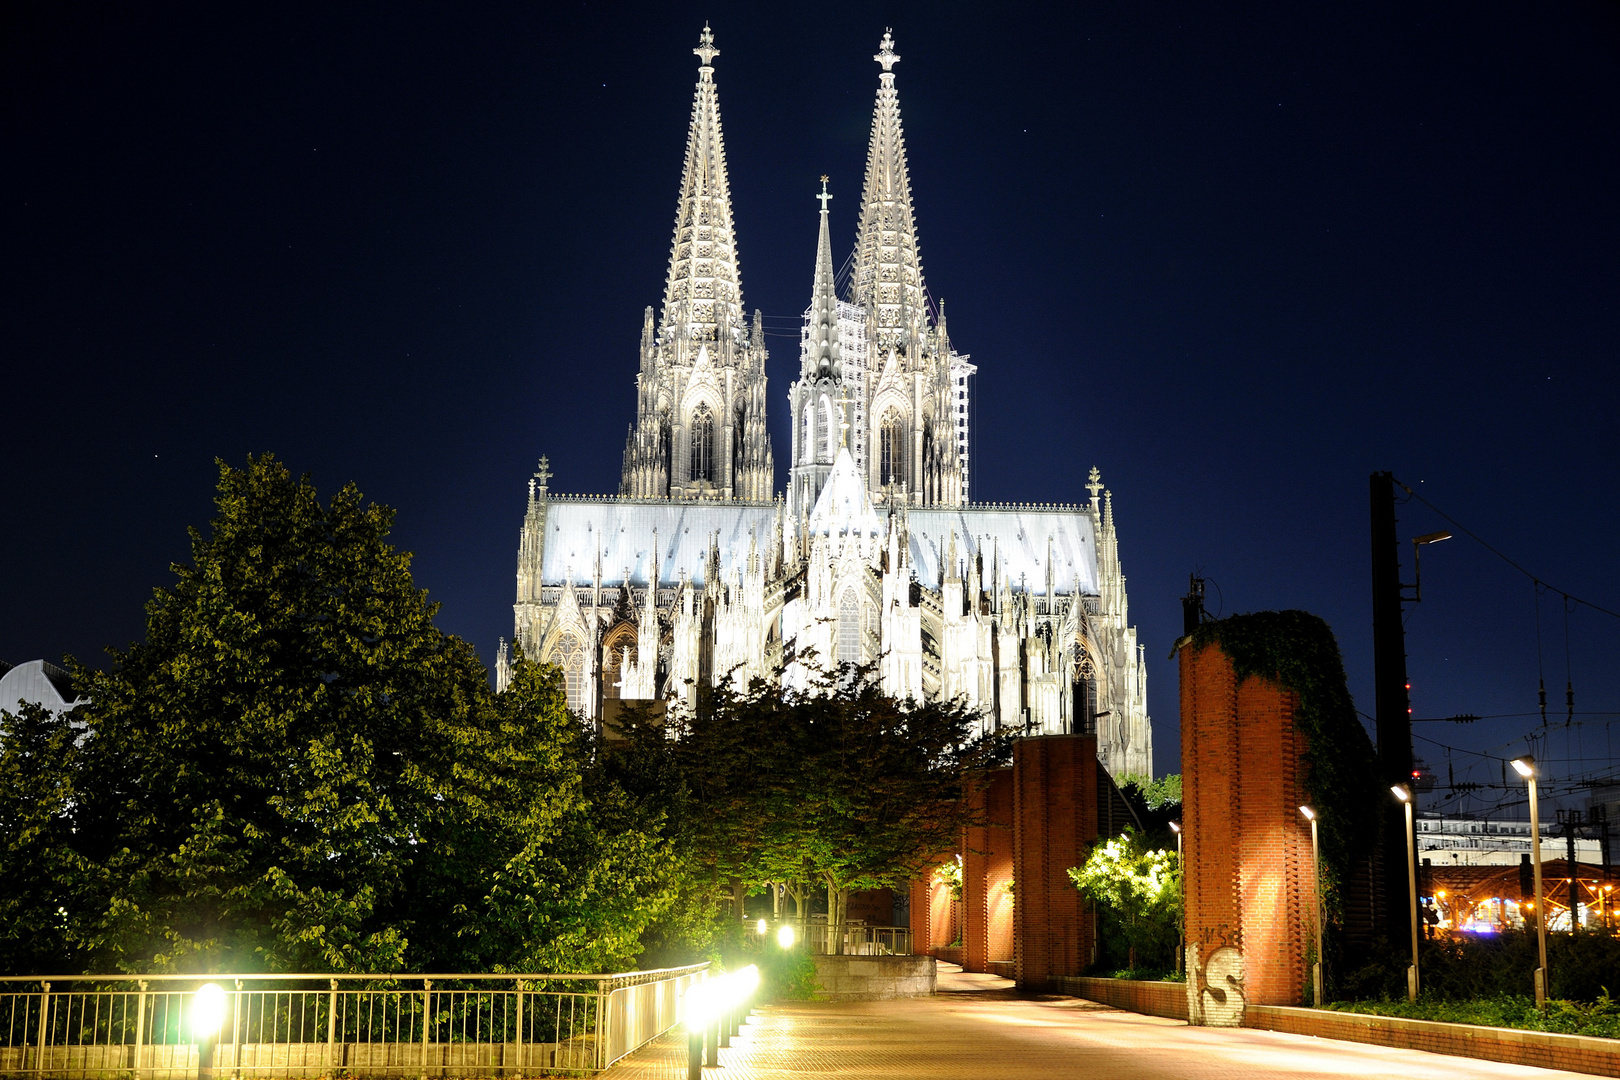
978 1027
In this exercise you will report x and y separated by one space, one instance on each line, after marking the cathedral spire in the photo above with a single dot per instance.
822 359
886 236
703 296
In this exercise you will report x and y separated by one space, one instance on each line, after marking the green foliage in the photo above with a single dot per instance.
843 786
1155 794
38 864
1139 887
1297 650
950 875
1600 1018
296 770
1583 967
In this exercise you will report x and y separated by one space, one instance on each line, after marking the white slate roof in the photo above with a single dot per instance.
1020 538
622 530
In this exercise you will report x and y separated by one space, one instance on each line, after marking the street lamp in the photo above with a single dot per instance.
1181 945
1404 793
1526 767
1316 886
207 1014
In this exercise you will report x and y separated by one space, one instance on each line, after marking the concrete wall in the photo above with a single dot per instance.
875 978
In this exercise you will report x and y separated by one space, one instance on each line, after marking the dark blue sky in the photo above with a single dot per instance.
1236 256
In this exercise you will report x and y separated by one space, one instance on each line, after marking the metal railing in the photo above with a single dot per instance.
292 1026
859 939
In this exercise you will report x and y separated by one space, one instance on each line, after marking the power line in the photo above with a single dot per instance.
1494 551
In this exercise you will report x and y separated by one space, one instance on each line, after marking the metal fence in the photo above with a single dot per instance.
289 1026
860 940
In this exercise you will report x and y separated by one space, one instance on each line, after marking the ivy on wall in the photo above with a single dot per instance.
1298 650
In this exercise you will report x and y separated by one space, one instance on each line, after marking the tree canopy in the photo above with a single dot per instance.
297 770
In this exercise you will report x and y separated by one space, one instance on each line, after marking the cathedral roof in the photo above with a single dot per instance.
703 295
1017 538
621 532
843 505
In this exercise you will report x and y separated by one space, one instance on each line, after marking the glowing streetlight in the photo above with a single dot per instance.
1404 793
1181 945
761 927
1526 767
785 936
207 1014
1316 887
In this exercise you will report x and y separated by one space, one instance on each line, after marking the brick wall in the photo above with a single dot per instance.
1166 999
987 869
1054 792
1248 849
1576 1053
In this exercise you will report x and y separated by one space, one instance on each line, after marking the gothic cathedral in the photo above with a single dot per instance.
698 570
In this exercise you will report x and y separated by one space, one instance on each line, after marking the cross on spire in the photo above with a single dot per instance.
1095 485
706 50
886 54
823 196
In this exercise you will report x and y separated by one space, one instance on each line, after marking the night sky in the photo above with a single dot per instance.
1236 256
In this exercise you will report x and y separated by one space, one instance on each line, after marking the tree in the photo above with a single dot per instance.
296 770
1141 886
844 786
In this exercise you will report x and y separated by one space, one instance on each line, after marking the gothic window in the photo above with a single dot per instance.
849 629
824 429
703 444
809 454
892 451
570 656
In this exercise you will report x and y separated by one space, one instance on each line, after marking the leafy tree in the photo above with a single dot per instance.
844 786
1141 886
38 864
296 770
1157 794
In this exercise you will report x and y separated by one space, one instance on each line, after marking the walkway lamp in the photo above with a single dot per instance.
1526 767
1404 793
1181 868
207 1014
1316 871
785 936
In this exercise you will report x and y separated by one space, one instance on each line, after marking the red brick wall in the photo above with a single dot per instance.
1248 848
987 868
1054 786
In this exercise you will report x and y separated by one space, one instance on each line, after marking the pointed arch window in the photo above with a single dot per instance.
703 444
849 629
891 451
570 656
808 455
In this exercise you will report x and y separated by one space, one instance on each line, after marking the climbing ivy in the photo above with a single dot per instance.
1297 650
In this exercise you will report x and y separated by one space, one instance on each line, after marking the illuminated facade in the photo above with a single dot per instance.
697 571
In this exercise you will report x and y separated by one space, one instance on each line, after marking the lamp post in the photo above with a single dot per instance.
1526 767
1316 887
1404 793
207 1014
1181 868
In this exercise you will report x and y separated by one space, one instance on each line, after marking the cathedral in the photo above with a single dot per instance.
698 570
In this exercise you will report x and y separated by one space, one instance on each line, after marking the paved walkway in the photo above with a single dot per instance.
977 1027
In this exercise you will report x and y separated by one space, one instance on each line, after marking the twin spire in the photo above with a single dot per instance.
703 295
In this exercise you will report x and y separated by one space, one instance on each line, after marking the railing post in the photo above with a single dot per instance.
601 1024
332 1062
44 1013
520 1059
140 1029
236 1038
427 995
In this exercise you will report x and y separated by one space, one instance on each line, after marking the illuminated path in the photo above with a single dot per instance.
977 1028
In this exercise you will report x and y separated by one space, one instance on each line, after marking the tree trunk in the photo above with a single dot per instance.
739 895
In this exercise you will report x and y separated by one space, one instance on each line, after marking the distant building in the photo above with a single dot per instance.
38 682
1444 841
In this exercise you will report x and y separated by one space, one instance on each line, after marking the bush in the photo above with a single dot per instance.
1471 967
